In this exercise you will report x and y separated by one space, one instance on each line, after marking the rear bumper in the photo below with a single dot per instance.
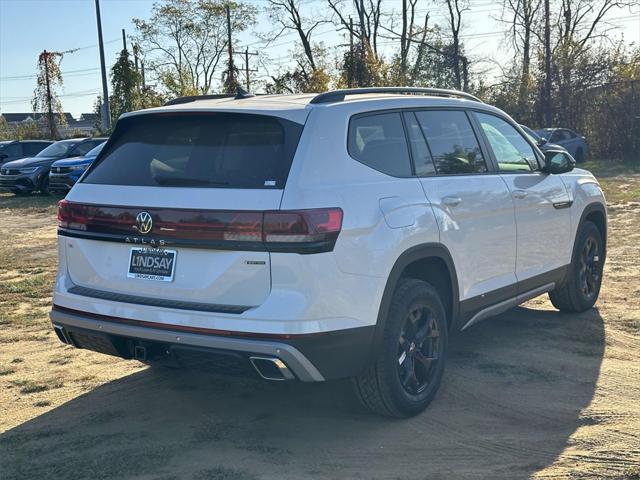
311 358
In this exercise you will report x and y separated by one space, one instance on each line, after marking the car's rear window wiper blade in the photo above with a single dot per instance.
167 180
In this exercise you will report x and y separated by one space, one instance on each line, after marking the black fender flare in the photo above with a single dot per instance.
590 208
417 252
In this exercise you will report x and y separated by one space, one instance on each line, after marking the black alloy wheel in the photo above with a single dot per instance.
418 350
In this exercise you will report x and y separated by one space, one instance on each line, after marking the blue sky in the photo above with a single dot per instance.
29 26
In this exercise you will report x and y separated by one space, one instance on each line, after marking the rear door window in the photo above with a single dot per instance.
378 141
224 150
33 148
452 142
13 151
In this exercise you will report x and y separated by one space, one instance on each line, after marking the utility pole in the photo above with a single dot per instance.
353 64
546 94
52 125
231 81
247 71
124 40
106 115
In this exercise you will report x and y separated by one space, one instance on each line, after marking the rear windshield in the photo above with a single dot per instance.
224 150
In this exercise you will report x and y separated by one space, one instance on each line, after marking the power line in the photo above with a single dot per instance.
80 72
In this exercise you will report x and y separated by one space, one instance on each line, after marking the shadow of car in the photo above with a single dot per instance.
509 404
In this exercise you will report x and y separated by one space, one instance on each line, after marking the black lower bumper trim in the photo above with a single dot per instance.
335 354
213 360
157 302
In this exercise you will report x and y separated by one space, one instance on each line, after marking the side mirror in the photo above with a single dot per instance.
542 141
3 156
558 162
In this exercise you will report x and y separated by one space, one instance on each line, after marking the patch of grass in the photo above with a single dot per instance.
33 286
29 386
7 371
610 168
17 360
619 190
620 181
42 403
33 202
60 360
631 473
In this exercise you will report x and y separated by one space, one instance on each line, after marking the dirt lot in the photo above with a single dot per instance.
532 393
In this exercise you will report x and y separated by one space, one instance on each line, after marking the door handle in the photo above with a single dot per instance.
519 194
451 201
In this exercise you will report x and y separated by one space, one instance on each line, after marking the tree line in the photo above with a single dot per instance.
567 67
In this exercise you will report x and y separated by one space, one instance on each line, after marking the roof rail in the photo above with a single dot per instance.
239 95
339 95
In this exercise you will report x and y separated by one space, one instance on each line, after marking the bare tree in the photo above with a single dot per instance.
184 40
369 14
523 17
286 15
577 27
460 62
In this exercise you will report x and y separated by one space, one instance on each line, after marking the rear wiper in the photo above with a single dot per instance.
166 180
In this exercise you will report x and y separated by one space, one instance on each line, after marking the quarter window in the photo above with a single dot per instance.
379 142
453 145
512 151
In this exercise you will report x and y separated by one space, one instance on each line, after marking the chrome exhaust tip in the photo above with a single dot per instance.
271 368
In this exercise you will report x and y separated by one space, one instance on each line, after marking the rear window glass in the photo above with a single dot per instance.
379 142
224 150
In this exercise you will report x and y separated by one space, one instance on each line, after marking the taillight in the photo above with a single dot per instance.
301 231
72 215
304 226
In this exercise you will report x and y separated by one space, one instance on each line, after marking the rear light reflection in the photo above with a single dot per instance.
274 230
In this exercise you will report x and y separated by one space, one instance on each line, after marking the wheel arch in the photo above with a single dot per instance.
596 213
431 262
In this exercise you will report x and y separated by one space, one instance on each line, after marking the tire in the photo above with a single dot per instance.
579 156
387 387
20 192
44 185
584 278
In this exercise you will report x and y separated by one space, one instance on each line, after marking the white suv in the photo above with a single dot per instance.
346 234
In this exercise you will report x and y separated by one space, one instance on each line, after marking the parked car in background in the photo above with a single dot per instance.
575 144
32 174
66 172
15 149
542 142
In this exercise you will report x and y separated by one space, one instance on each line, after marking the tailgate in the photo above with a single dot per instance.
172 208
214 259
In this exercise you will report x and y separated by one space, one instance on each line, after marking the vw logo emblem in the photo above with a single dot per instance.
144 222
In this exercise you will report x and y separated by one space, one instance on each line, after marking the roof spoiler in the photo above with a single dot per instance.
240 94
